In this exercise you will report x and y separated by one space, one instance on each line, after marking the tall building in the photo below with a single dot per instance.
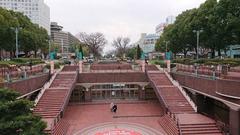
36 10
147 42
159 29
62 38
169 20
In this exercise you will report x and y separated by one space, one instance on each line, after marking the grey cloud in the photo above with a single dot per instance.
116 17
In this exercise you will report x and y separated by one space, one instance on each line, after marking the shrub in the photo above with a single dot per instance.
56 66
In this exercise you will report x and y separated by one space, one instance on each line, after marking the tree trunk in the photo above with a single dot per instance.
1 53
35 54
11 54
185 53
213 53
219 53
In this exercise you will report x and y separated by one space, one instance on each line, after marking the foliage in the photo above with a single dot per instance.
21 62
56 65
131 52
121 44
31 36
16 116
219 22
231 62
94 41
139 52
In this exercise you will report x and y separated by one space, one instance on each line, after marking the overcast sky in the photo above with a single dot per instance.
116 17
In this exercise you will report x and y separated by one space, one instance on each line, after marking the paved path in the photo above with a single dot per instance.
144 115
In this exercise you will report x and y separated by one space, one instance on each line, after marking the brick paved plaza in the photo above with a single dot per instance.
138 117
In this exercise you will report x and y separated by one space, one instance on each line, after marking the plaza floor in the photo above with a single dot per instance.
133 118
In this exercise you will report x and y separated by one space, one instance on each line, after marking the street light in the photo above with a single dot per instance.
198 34
166 45
49 46
16 31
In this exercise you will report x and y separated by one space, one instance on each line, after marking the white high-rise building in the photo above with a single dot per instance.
169 20
36 10
147 42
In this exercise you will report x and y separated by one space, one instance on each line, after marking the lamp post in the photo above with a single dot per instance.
198 35
62 45
16 32
49 46
167 45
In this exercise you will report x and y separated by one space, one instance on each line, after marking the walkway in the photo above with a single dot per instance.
180 117
132 113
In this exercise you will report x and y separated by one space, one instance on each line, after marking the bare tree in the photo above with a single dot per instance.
94 41
121 44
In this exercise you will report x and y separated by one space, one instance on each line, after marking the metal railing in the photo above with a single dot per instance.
46 86
175 83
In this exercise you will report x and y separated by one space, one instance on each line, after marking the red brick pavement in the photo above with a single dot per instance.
83 116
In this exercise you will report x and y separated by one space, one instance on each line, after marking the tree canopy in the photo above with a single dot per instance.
94 41
121 45
16 116
31 36
219 21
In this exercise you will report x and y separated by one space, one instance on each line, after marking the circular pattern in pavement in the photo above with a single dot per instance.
118 129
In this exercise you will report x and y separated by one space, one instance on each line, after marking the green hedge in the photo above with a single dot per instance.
56 65
21 62
162 63
231 62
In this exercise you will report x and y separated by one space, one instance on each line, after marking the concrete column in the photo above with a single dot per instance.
80 66
168 65
143 66
234 121
88 95
142 93
51 66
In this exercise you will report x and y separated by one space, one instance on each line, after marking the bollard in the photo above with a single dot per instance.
8 77
24 74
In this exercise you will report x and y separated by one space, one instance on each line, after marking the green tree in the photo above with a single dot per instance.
131 52
31 36
16 116
138 52
218 20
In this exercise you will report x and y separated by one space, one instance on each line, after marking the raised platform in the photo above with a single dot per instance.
82 118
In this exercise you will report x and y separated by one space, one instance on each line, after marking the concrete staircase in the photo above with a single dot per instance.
53 102
169 125
181 117
61 128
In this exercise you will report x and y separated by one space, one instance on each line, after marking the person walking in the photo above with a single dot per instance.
111 106
115 108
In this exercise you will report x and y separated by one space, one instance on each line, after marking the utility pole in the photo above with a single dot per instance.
62 45
198 35
49 47
16 29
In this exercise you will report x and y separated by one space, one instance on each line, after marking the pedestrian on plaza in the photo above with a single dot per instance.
111 106
115 108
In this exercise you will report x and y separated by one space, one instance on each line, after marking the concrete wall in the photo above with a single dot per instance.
209 86
28 85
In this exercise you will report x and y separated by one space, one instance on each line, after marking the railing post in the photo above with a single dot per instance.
8 77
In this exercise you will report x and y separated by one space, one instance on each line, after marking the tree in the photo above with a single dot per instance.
139 52
218 20
31 36
131 52
121 44
79 46
16 116
94 41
